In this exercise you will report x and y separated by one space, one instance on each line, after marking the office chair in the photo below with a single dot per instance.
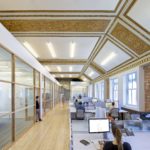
115 113
80 114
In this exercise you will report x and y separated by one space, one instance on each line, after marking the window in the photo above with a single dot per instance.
131 89
99 90
114 89
90 90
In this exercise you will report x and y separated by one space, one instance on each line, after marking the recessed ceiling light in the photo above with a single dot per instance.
62 75
29 47
51 49
58 68
70 68
91 73
72 51
110 57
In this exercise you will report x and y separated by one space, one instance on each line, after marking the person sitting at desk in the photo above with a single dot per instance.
117 143
80 106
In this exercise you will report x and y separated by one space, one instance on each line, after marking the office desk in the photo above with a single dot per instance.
138 142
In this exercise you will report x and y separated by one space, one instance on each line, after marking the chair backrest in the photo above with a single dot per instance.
100 112
115 112
80 114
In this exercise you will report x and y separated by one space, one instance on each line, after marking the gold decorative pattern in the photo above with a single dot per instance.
56 25
130 39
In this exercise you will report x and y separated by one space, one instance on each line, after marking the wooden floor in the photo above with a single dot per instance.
53 133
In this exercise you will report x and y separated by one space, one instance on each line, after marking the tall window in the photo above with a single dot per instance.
99 90
131 89
114 89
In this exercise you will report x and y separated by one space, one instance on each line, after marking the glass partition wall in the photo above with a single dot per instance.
6 98
19 85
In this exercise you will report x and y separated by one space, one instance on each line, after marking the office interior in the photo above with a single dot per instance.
96 52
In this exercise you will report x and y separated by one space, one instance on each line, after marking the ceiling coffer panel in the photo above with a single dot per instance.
56 25
130 39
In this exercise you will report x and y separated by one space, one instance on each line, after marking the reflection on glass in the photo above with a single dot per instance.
24 120
23 73
5 97
24 96
42 81
37 79
5 130
5 65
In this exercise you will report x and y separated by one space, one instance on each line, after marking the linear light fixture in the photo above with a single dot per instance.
58 68
47 68
110 57
70 75
29 47
51 49
62 75
72 51
91 73
70 68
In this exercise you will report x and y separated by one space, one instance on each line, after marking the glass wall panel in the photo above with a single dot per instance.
37 79
23 73
24 96
5 65
5 97
5 130
24 120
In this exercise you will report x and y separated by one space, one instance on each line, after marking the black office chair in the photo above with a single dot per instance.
115 113
80 114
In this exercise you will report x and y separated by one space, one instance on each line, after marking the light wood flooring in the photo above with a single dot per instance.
53 133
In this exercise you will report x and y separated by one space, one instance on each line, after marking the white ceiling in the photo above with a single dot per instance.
140 13
106 51
66 75
58 4
62 46
91 73
65 68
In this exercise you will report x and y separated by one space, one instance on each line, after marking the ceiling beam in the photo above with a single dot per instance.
87 77
65 72
62 61
99 69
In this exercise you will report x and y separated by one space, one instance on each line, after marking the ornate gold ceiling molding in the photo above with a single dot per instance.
142 61
62 61
86 77
130 39
131 19
56 25
98 69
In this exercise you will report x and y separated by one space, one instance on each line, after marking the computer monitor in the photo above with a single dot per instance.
98 125
94 100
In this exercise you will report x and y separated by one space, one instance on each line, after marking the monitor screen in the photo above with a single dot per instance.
94 100
97 125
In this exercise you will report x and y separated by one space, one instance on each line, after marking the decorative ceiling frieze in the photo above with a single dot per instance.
130 39
56 25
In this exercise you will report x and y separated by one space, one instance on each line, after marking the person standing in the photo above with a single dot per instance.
38 118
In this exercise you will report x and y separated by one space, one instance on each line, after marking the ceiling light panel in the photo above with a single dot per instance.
65 5
91 73
51 49
30 49
60 47
110 56
66 68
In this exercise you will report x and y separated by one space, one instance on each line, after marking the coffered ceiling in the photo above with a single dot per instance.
78 39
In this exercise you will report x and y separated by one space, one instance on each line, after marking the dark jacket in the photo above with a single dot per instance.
37 105
110 146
